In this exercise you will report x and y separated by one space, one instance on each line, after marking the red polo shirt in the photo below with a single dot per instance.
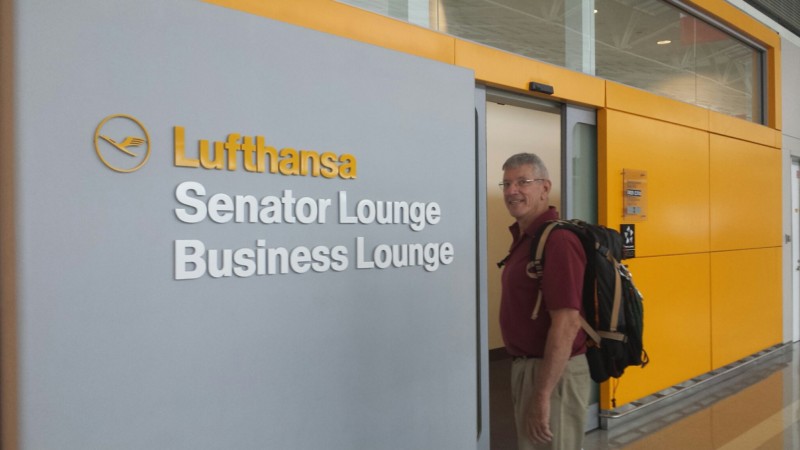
561 284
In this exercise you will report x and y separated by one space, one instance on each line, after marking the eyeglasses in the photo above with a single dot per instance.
521 183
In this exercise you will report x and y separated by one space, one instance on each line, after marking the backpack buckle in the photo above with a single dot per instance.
534 269
623 271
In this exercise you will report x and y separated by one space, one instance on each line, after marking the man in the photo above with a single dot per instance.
550 375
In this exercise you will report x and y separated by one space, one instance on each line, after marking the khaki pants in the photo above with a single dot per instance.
568 403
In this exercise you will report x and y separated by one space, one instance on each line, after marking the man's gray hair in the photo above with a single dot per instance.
527 159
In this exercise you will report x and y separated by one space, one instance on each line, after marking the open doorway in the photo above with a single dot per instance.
565 138
512 129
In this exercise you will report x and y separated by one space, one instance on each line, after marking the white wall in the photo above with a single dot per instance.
790 72
116 353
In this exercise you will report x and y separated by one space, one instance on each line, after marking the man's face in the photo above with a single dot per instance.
525 199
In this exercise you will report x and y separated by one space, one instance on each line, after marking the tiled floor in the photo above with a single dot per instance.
759 408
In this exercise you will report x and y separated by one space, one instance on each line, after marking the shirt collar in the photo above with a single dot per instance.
550 214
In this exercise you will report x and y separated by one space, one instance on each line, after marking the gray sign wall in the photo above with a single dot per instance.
153 310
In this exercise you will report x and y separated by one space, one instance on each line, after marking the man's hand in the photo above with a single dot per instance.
538 421
564 326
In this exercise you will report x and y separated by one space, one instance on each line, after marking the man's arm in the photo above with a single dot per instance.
565 324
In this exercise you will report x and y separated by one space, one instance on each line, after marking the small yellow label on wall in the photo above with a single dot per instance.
634 194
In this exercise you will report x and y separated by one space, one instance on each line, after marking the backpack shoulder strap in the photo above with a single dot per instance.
535 269
593 335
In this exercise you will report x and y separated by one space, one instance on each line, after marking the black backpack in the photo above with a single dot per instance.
613 313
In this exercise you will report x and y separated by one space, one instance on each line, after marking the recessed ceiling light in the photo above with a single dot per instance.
664 42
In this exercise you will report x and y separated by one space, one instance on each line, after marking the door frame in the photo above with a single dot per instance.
571 117
794 239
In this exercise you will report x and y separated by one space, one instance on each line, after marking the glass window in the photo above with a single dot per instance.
648 44
653 45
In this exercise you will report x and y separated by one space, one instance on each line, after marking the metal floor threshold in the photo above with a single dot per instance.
614 417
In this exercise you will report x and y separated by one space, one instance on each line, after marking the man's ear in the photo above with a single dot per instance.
547 185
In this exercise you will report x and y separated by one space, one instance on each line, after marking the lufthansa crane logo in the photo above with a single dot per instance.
122 143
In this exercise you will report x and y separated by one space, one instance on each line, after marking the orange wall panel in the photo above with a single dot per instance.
643 103
745 195
774 88
746 303
9 342
743 129
676 161
677 325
